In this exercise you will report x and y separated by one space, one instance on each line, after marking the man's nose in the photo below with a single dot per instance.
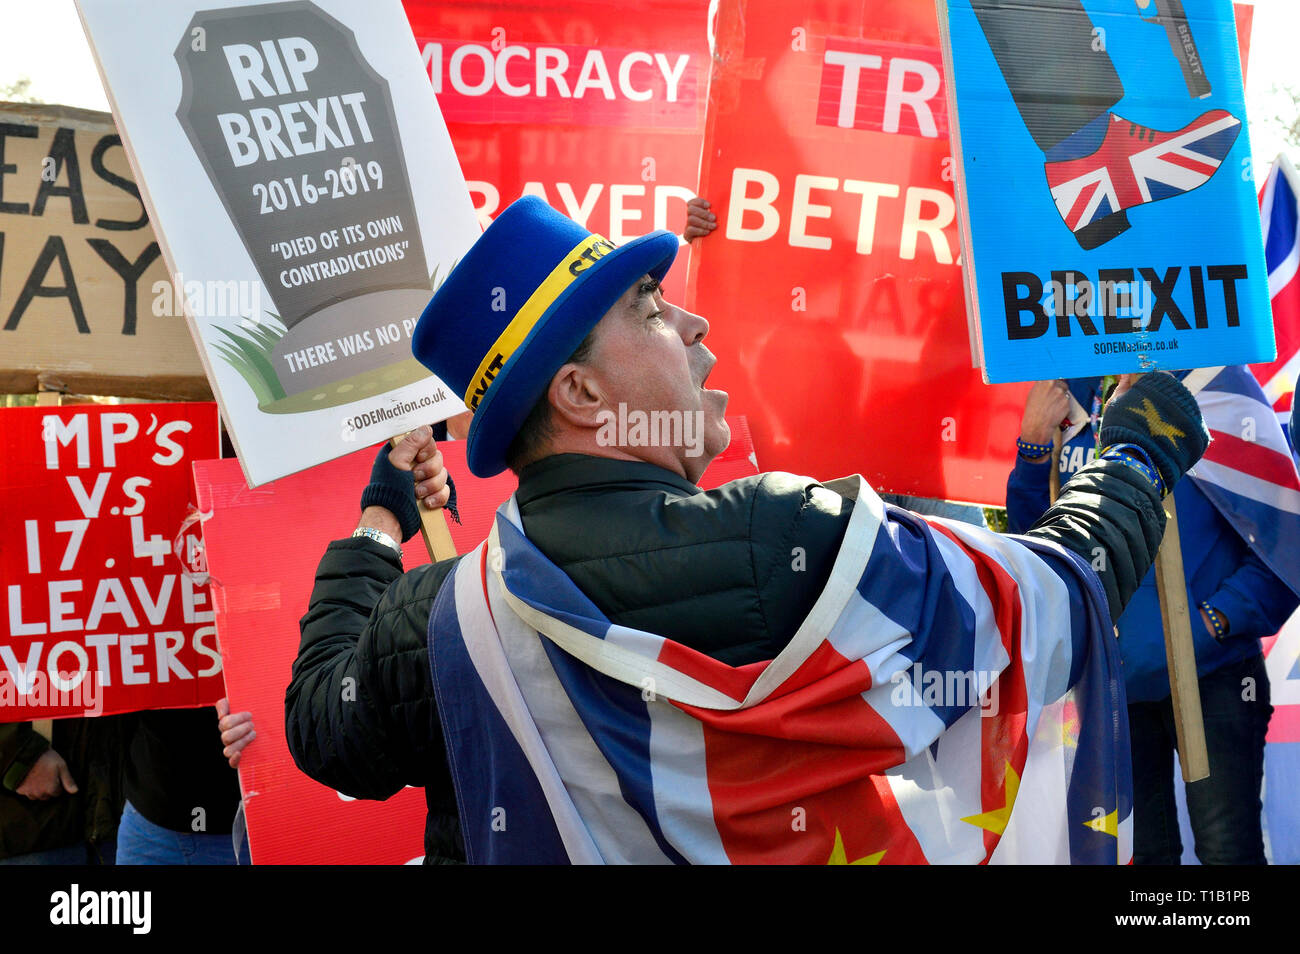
690 326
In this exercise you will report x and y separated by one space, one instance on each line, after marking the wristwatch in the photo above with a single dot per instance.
379 537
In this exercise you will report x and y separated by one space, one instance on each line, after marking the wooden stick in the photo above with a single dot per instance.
1189 725
1054 478
46 398
433 528
436 533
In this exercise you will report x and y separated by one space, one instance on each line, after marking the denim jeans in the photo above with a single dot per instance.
82 853
141 842
1224 808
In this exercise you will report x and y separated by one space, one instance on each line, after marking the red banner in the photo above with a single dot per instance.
263 546
602 114
859 91
833 282
597 110
104 613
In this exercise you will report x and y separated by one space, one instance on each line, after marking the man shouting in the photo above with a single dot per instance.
633 670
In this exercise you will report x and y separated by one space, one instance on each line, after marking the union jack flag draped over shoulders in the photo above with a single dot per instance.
1248 472
1279 211
954 696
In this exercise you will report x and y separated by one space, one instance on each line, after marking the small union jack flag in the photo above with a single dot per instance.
1247 472
1249 475
1280 218
1136 165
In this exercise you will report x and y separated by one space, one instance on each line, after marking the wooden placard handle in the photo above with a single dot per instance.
1189 725
433 528
46 398
1054 478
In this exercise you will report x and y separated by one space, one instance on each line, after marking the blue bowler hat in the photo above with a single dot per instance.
516 306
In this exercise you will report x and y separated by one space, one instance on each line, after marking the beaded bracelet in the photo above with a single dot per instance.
1031 451
1137 453
1216 620
1137 458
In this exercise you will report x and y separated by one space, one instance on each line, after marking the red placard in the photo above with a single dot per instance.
263 546
597 110
833 282
859 91
880 326
104 612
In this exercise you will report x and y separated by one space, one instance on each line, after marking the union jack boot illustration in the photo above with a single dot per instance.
1135 165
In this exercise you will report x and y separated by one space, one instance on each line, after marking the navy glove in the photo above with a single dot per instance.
1160 416
394 490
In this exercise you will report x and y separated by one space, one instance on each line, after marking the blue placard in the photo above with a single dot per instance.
1109 215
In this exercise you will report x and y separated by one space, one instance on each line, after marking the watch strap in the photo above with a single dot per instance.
379 537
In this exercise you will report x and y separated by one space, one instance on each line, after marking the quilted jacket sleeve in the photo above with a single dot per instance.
20 748
359 710
1110 516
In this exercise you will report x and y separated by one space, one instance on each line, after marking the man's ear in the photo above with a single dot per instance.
576 396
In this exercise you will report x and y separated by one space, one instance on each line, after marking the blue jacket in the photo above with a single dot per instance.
1219 566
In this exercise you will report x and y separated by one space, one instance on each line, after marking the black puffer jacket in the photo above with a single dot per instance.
714 571
94 750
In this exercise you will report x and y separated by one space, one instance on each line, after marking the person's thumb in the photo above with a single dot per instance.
65 777
1123 384
403 453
